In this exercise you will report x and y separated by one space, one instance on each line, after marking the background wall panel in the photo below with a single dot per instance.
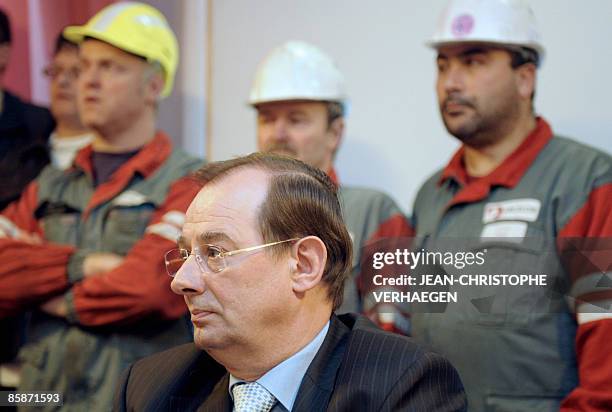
395 137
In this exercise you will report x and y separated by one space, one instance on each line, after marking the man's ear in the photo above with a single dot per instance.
526 80
154 86
336 130
309 257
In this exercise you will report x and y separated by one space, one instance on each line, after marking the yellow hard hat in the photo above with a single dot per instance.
136 28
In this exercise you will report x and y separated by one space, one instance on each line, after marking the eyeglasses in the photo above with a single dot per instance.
54 72
210 258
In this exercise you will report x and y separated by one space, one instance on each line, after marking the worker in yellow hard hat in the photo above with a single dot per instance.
136 28
83 249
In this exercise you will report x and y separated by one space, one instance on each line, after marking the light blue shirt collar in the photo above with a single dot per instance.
283 381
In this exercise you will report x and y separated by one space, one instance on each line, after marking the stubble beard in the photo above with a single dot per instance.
480 129
472 132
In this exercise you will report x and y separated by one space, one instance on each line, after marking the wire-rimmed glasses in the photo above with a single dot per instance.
210 258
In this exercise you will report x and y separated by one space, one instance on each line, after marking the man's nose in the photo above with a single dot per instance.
453 78
89 78
188 280
280 130
65 78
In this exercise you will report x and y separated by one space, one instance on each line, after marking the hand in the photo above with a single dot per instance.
55 306
100 263
31 238
13 232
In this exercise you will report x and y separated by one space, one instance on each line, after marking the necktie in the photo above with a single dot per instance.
252 397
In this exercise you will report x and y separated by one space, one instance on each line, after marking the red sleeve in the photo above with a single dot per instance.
587 240
139 287
20 213
394 227
29 274
394 233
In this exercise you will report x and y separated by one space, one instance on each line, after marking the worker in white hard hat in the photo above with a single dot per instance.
83 249
300 98
531 203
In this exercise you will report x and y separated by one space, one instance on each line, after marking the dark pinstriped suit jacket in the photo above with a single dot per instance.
358 368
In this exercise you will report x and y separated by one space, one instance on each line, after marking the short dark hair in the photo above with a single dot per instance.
524 55
335 110
61 42
5 28
301 201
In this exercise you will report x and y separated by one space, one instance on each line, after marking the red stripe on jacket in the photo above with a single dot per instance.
594 392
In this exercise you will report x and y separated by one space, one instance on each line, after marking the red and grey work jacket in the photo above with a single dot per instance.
374 221
546 210
114 317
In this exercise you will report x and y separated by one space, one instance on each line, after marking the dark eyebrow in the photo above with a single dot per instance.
299 112
182 242
466 53
213 237
264 112
472 51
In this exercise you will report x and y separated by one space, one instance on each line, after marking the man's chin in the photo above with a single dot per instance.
207 340
91 121
60 111
459 126
469 136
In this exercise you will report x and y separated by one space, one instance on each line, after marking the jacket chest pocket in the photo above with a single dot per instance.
60 222
518 283
526 283
125 225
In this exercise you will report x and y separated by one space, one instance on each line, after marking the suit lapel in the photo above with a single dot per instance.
198 381
219 399
318 383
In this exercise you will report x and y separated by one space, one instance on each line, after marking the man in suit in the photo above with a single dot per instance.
261 263
24 131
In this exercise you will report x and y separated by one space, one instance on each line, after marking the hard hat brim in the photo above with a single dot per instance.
75 34
254 102
346 104
436 44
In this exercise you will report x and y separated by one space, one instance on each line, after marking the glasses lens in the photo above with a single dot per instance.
174 260
54 72
49 71
213 257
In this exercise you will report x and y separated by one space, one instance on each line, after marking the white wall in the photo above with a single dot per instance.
183 114
395 137
170 109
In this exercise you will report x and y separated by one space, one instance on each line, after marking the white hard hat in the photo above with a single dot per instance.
297 71
504 22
